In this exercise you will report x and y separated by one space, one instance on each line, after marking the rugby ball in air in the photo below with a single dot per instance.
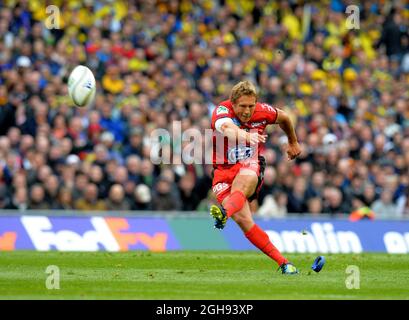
81 86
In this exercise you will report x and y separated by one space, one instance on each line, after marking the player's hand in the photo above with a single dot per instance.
255 138
293 150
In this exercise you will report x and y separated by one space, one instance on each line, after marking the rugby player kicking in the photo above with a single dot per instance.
239 126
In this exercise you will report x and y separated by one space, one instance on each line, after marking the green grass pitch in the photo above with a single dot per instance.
198 275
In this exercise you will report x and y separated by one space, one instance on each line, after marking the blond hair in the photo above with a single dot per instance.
243 88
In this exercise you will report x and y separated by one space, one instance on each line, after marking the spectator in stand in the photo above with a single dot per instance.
81 183
385 206
316 187
96 176
333 202
133 165
163 198
189 199
403 204
116 199
134 146
19 201
4 202
296 197
346 90
142 198
269 185
274 206
90 200
65 200
369 195
37 198
392 36
51 186
315 205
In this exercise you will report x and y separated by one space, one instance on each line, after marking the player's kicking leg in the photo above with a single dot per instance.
236 206
259 238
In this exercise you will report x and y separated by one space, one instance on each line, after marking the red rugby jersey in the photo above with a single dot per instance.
227 153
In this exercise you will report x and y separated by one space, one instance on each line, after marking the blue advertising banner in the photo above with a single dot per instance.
45 233
13 235
95 233
329 236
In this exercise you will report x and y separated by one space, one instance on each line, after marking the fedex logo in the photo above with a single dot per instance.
8 241
91 234
44 238
126 239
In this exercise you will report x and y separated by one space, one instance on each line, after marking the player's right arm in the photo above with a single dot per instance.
227 127
284 121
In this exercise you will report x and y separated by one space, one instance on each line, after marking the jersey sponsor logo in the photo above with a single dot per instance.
257 124
222 110
220 187
267 106
239 153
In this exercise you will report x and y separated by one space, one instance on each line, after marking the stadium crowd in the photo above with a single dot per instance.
157 62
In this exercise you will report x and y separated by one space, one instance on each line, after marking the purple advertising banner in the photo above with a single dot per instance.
13 235
95 233
333 236
143 233
86 234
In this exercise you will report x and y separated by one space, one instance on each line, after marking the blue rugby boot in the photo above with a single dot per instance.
219 215
288 268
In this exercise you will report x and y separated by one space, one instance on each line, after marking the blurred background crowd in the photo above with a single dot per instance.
157 62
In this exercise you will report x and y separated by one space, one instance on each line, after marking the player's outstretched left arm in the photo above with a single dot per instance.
284 121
